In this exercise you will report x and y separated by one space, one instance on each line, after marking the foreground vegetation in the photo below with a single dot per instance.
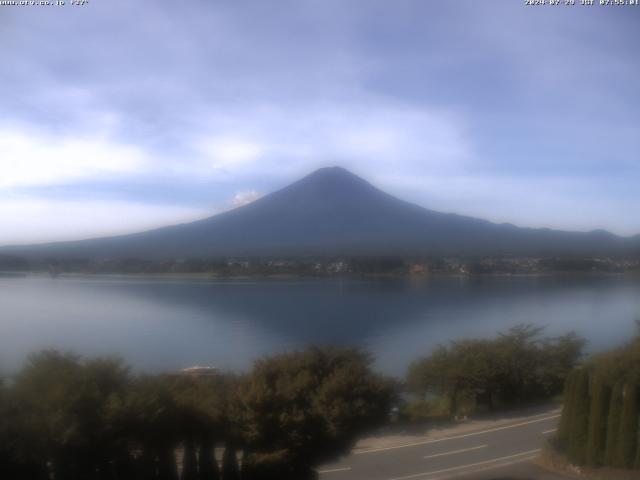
71 419
67 418
519 366
600 424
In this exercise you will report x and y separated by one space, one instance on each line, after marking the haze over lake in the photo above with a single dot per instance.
159 324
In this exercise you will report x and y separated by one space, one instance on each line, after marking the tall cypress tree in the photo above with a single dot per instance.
578 434
208 465
628 432
613 424
189 462
167 468
567 409
230 469
600 397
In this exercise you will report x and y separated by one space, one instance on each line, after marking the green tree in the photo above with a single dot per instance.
189 462
230 468
518 366
439 374
207 464
203 402
520 359
628 432
10 464
64 407
600 397
564 427
153 421
613 424
271 466
579 421
308 407
558 356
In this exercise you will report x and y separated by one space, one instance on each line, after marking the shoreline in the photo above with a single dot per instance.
291 276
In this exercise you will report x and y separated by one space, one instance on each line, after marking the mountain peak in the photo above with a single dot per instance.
329 184
335 169
334 172
334 177
335 212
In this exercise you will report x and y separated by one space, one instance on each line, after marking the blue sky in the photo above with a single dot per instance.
118 116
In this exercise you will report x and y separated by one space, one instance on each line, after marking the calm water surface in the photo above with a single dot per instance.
159 324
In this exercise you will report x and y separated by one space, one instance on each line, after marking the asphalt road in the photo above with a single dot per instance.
504 450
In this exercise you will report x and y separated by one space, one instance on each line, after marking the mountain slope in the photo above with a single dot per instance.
332 211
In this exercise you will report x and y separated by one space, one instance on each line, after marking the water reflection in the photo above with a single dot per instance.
160 324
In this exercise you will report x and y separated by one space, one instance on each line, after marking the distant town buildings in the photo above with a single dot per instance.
332 266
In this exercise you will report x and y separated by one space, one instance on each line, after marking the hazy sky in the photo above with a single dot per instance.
120 115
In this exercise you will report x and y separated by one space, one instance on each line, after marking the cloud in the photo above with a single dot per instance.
29 220
244 198
537 202
438 102
366 134
224 153
29 158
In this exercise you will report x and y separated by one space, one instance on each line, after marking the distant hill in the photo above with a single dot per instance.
334 212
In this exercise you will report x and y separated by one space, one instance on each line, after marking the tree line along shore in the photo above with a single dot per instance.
363 265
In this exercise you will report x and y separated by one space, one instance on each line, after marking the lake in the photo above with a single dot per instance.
159 324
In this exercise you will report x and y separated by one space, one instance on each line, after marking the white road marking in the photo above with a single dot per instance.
544 432
453 452
487 468
462 467
333 470
455 437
